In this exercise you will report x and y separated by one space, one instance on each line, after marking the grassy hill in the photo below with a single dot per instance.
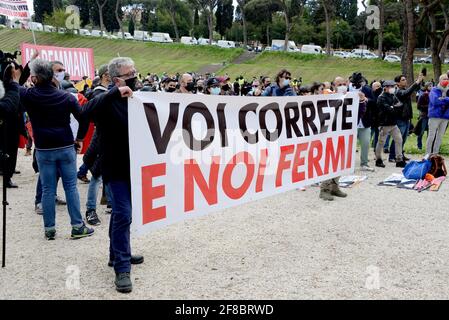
149 57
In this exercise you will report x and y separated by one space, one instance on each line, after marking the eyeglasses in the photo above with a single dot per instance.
288 78
60 70
131 74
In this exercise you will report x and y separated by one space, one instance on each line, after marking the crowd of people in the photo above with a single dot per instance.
42 103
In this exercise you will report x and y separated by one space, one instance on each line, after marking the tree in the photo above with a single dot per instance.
110 22
41 8
131 26
56 19
261 12
101 4
241 12
208 7
438 31
290 9
327 6
171 7
117 17
224 16
83 5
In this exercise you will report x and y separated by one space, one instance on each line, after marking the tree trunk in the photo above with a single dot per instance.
245 32
380 32
100 12
287 31
268 34
210 23
328 29
119 21
175 25
411 40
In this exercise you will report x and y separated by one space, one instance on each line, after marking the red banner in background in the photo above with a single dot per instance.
78 62
14 8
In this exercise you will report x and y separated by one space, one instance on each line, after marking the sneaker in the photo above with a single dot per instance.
338 193
401 164
92 218
326 195
84 179
366 168
380 163
50 234
391 160
38 209
123 282
386 150
81 232
60 202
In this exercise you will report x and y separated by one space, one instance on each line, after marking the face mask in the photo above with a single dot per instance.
190 86
131 83
391 90
171 89
200 89
286 82
59 76
215 91
267 85
342 89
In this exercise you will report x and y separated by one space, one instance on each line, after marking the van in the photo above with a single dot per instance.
278 45
226 44
48 28
125 35
189 40
36 26
99 33
161 37
84 32
141 35
310 48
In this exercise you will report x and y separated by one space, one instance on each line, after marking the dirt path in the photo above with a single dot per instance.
213 68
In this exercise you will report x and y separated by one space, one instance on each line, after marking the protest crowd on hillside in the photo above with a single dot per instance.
53 116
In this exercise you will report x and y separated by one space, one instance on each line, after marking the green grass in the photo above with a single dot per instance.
149 57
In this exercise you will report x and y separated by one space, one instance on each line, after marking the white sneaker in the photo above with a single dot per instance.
366 168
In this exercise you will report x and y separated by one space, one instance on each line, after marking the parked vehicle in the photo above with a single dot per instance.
446 61
278 45
392 58
226 44
124 35
310 48
36 26
427 59
364 55
141 35
189 40
341 54
62 30
161 37
84 32
205 42
48 28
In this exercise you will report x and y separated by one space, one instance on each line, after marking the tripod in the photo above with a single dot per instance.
4 156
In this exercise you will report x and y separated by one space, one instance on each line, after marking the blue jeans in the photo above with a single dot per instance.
51 162
119 227
92 193
404 127
82 171
38 198
424 128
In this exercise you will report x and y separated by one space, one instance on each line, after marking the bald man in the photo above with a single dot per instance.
186 84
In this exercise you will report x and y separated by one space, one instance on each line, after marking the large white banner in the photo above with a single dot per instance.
195 154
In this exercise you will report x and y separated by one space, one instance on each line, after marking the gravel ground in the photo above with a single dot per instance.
289 246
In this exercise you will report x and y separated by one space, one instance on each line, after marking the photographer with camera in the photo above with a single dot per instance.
404 96
11 117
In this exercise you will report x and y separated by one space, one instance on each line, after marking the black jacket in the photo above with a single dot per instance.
404 95
93 158
110 113
388 114
367 116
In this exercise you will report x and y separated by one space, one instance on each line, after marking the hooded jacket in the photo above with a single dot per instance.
438 108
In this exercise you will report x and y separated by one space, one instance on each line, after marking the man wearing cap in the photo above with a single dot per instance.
390 108
438 115
105 81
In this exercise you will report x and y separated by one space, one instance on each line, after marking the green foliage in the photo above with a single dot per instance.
41 8
131 27
57 18
224 16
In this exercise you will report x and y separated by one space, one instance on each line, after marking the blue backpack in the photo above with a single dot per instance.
417 169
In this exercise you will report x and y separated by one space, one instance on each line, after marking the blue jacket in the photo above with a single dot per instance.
438 108
275 91
49 110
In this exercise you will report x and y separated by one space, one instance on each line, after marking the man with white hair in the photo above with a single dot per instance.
438 115
110 112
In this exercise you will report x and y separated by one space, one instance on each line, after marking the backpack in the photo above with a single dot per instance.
438 167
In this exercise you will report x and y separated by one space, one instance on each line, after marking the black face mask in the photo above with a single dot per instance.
200 89
171 89
131 83
190 86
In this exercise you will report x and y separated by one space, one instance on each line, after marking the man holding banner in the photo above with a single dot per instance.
110 112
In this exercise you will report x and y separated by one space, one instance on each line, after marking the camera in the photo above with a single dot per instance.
6 59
